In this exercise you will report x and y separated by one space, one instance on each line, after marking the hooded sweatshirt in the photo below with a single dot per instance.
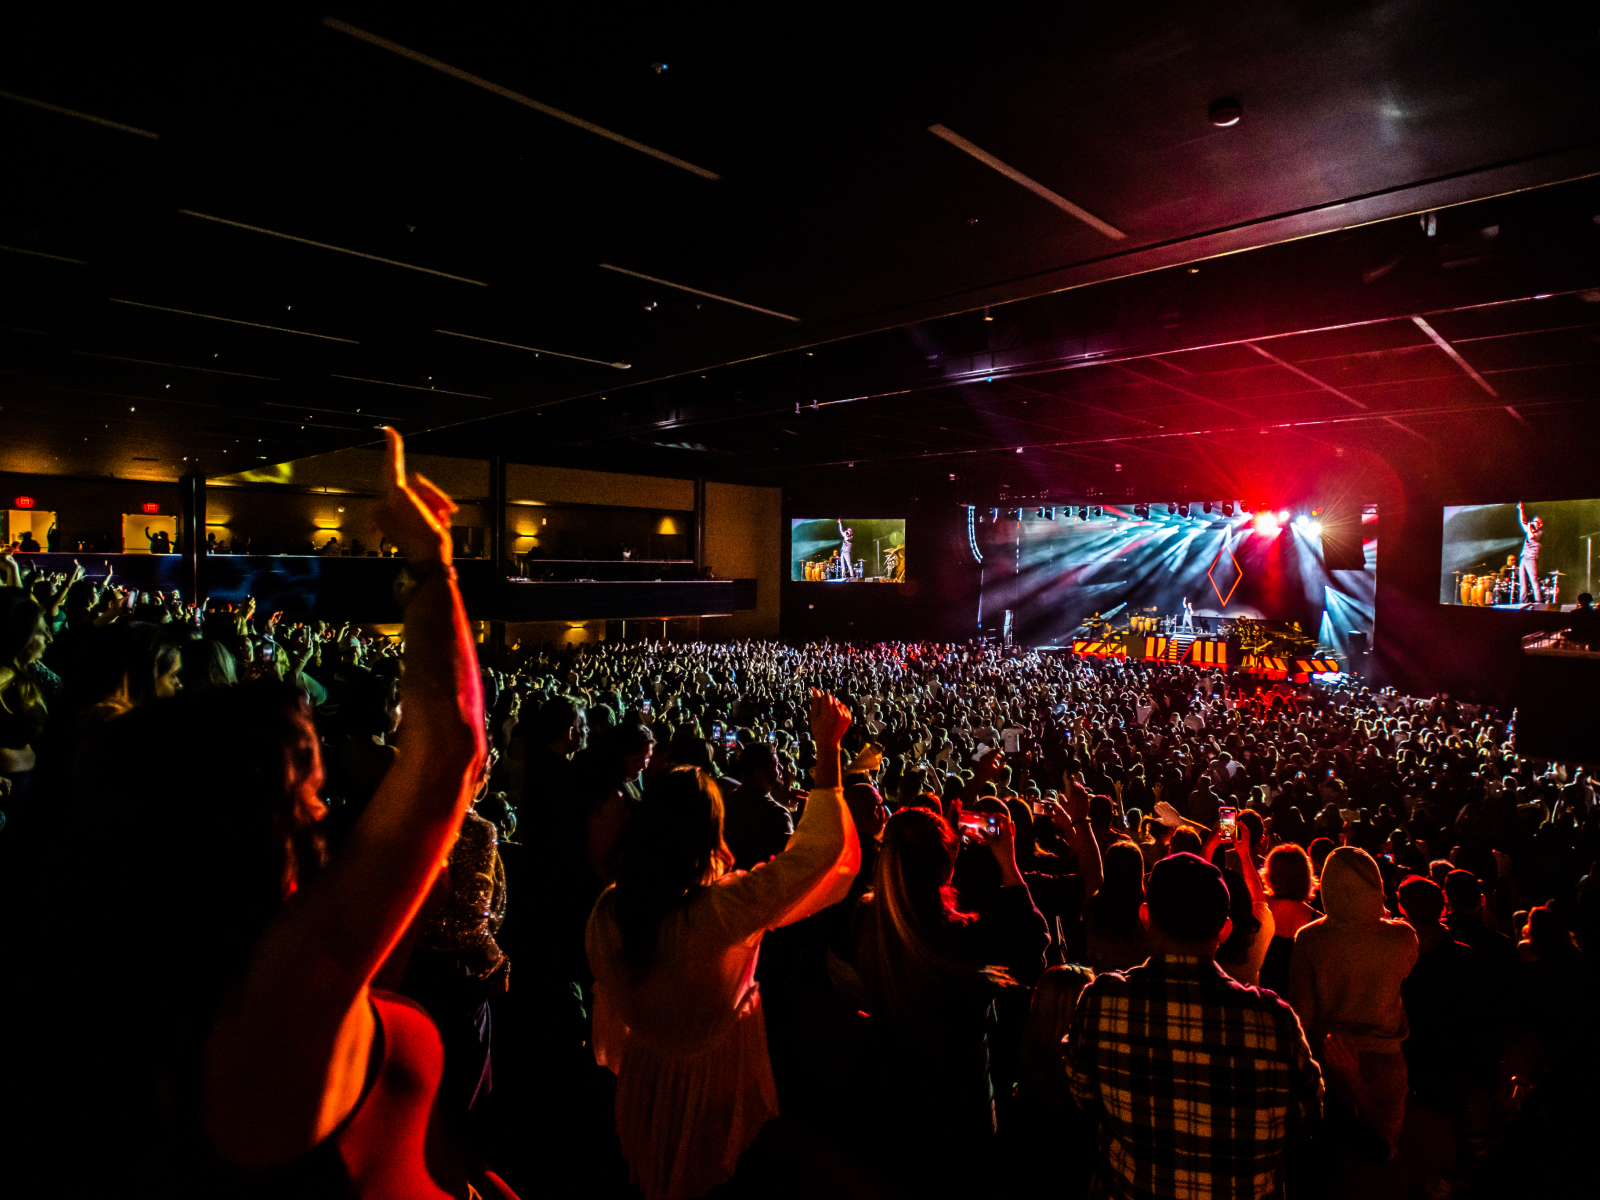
1346 969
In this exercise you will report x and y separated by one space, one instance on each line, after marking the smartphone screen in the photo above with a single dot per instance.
1228 821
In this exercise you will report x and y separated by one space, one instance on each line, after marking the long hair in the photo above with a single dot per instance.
672 851
199 821
1113 911
19 616
903 963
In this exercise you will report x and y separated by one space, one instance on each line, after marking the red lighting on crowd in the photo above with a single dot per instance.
23 502
152 508
1267 524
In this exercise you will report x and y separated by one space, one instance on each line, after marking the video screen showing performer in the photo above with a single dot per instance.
1526 554
847 550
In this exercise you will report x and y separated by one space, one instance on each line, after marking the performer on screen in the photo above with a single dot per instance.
1187 625
846 559
1528 570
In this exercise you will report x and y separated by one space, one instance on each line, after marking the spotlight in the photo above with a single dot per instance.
1283 516
1206 508
1097 512
1039 514
1141 512
1019 514
1172 509
994 514
1083 513
1184 512
1267 524
1052 513
1227 508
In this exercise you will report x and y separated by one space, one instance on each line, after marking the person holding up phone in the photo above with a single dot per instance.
930 971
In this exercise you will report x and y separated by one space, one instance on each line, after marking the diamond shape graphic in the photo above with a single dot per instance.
1238 574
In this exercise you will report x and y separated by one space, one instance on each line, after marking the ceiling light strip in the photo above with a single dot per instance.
184 312
1306 375
621 366
412 387
515 97
697 292
289 237
41 254
1033 185
149 362
1438 340
338 412
81 116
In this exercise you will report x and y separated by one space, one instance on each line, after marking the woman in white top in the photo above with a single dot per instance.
673 945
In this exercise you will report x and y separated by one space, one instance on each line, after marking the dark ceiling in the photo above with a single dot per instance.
245 237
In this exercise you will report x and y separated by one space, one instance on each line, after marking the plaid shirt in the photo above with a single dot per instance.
1195 1082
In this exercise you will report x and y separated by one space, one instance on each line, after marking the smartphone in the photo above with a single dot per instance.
1041 809
981 826
1228 822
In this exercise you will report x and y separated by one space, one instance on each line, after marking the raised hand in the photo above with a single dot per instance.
416 514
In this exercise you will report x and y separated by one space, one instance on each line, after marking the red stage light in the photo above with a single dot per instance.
1267 524
23 502
152 508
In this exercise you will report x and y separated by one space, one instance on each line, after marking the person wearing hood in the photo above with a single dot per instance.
1344 982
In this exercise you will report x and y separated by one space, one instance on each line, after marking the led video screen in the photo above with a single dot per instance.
847 550
1528 555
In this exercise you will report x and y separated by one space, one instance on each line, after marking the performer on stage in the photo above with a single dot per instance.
1187 625
845 556
1528 571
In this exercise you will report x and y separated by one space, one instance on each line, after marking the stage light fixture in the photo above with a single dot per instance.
1283 516
1019 514
994 514
1052 514
1172 509
1141 511
1227 508
1038 514
1083 513
1267 524
1185 512
1206 508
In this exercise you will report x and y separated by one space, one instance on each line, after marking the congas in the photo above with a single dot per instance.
1479 592
1467 583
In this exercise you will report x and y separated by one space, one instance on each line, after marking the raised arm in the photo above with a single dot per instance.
287 1056
1522 517
823 856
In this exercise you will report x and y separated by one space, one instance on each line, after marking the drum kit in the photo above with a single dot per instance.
1484 591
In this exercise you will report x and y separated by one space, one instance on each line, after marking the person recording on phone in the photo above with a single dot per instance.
931 969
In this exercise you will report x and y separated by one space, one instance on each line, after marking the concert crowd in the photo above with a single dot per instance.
754 919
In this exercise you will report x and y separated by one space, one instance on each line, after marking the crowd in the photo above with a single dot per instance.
904 919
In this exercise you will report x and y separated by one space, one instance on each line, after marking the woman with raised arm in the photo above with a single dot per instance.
239 1048
673 946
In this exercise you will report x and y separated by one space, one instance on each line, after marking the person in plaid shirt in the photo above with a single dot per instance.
1196 1083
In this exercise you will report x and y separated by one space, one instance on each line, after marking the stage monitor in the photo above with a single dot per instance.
847 550
1536 555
